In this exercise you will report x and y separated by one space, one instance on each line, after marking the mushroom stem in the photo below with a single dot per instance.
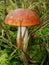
22 38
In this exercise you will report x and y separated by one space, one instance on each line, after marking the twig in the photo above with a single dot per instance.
45 25
34 62
44 16
6 46
6 40
44 35
4 28
43 60
40 26
13 52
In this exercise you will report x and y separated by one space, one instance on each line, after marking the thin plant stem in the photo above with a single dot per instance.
5 7
6 40
12 4
16 3
39 27
43 60
4 28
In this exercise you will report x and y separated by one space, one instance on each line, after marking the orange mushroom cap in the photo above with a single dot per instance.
22 17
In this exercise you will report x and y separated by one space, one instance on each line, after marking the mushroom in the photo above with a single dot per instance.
22 18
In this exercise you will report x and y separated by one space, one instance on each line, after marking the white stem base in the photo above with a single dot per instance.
25 39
